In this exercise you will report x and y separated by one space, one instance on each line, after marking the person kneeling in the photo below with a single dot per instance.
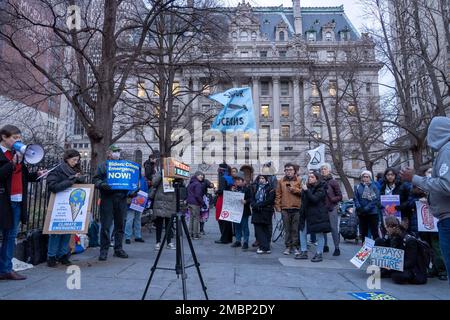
414 270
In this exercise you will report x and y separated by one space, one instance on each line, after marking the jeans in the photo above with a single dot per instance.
58 245
304 244
112 209
9 240
444 241
291 220
242 229
194 221
133 224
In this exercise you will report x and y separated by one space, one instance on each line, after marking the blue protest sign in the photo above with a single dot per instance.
122 174
372 296
237 114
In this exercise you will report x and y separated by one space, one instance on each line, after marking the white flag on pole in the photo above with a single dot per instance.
317 157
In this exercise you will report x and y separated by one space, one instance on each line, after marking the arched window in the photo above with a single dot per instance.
244 36
234 35
311 36
254 35
138 157
281 35
328 36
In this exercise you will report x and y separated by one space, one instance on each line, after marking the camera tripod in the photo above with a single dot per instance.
179 220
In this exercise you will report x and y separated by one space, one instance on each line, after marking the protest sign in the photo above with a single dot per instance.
232 208
387 258
389 203
139 202
363 254
425 220
167 183
68 210
372 296
123 174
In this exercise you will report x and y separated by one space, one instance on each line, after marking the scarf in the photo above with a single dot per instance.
260 193
68 171
389 190
368 193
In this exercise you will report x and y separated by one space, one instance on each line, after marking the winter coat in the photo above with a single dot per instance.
364 206
403 191
262 211
195 192
61 178
6 172
101 178
164 203
247 197
334 194
314 211
285 199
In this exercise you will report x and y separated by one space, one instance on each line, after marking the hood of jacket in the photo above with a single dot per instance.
438 133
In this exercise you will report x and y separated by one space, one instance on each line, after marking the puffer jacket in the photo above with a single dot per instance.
314 211
164 204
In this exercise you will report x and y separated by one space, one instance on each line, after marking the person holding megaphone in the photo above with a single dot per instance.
14 178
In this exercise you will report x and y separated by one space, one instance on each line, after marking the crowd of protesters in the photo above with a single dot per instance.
307 205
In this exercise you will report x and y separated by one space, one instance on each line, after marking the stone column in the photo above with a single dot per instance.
297 110
305 103
256 103
276 102
195 88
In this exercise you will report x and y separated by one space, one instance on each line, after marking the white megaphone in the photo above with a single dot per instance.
32 153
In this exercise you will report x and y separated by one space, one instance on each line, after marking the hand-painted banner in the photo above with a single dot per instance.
238 113
387 258
363 254
389 203
139 202
425 220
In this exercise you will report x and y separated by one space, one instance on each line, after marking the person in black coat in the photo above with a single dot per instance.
64 176
414 269
314 216
393 186
14 178
262 212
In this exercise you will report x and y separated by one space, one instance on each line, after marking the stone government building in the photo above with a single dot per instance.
273 51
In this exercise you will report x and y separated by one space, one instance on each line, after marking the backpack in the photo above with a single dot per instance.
93 234
425 253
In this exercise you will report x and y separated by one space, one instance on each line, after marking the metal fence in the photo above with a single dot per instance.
38 198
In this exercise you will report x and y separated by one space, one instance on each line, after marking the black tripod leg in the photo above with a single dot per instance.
181 269
194 256
157 259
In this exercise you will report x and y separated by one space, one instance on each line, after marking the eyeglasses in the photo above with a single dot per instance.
285 170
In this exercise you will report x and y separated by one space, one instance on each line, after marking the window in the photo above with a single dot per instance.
317 131
332 89
314 89
264 88
265 111
328 36
254 35
285 131
315 110
351 109
234 35
284 88
281 34
244 36
330 56
283 54
311 36
263 54
244 54
266 128
368 87
175 88
285 110
206 108
314 55
141 89
345 35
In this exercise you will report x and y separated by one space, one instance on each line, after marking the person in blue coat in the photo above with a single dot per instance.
367 197
133 222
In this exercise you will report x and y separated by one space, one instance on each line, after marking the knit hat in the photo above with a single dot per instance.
114 148
199 173
366 172
268 169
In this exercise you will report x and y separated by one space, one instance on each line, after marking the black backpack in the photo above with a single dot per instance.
36 245
425 252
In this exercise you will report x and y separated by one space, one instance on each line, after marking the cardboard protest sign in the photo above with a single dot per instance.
67 212
139 202
363 254
167 183
372 296
387 258
123 175
232 208
389 203
425 220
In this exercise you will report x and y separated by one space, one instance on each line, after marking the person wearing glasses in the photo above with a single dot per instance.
367 199
287 201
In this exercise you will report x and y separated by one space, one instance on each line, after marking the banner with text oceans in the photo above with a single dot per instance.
122 174
237 114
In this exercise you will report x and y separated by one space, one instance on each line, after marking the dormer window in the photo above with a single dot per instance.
244 36
311 36
328 36
254 36
345 35
282 36
234 35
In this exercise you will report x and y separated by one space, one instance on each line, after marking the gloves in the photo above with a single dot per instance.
105 187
